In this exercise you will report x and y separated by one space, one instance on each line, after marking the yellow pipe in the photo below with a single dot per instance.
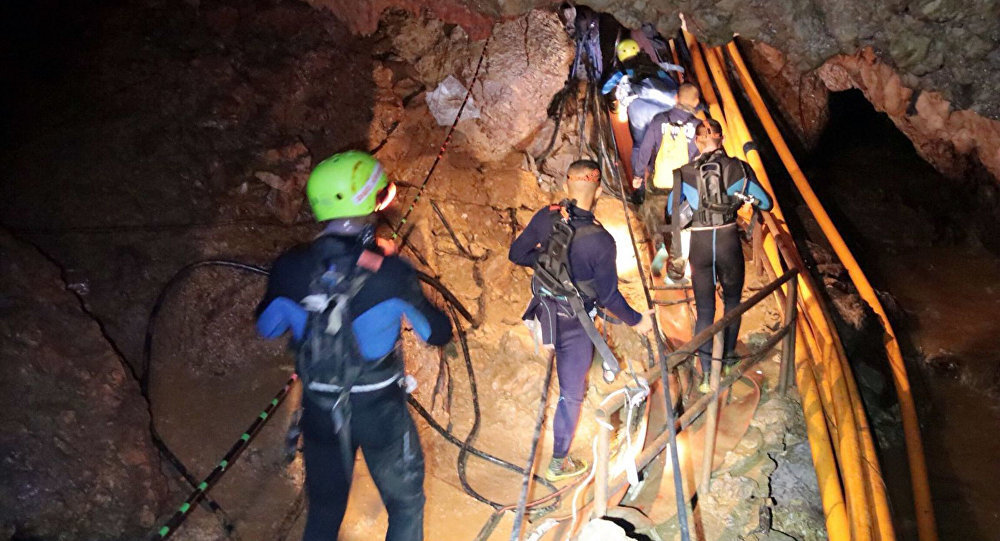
707 93
831 494
926 527
863 489
818 422
733 116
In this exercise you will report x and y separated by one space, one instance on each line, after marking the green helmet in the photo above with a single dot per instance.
346 185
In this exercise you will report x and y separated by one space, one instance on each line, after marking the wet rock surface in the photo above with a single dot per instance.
74 437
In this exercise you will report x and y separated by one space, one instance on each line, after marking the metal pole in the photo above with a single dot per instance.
713 413
787 370
601 466
522 502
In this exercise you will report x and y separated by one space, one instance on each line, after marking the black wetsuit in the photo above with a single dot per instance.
592 260
716 255
380 423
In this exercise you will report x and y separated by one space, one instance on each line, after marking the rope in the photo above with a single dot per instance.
660 347
515 532
229 459
444 145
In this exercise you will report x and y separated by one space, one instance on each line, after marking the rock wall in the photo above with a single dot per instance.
801 98
74 436
959 143
953 141
532 49
943 51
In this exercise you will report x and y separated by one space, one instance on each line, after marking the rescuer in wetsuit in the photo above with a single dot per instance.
683 116
716 254
592 261
345 191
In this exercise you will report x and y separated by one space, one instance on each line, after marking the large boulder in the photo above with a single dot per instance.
76 457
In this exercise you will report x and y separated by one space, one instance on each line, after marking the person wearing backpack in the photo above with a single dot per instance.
641 85
342 298
677 124
581 276
714 186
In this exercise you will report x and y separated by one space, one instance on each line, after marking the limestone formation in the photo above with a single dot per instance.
74 434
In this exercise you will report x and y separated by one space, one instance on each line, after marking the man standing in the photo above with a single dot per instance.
591 266
679 122
716 186
343 298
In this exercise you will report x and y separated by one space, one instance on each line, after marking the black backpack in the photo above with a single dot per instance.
553 276
329 361
715 207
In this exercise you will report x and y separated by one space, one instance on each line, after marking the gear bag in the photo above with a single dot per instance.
672 155
715 205
553 278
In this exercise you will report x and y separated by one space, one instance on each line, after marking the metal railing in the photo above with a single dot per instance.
603 485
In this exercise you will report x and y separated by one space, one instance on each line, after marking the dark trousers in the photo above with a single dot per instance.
382 427
574 355
716 257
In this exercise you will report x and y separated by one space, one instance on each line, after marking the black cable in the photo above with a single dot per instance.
515 532
144 378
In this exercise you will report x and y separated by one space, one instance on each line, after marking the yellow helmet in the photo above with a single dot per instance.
627 48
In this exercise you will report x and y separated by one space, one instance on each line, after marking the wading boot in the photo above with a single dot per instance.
565 468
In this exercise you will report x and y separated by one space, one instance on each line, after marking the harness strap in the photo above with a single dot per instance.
608 360
331 388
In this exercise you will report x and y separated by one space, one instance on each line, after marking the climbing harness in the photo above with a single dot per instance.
553 279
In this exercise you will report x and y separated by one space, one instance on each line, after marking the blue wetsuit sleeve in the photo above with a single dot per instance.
753 189
429 322
282 314
688 193
612 82
527 247
606 283
278 311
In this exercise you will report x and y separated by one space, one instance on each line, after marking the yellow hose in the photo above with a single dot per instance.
926 527
856 490
707 93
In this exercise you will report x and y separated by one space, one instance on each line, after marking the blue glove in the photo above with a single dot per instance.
281 315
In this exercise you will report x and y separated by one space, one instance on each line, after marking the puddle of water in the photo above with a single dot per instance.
891 205
953 294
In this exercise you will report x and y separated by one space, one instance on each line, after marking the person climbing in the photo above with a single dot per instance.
641 85
565 318
342 297
715 186
679 125
667 145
